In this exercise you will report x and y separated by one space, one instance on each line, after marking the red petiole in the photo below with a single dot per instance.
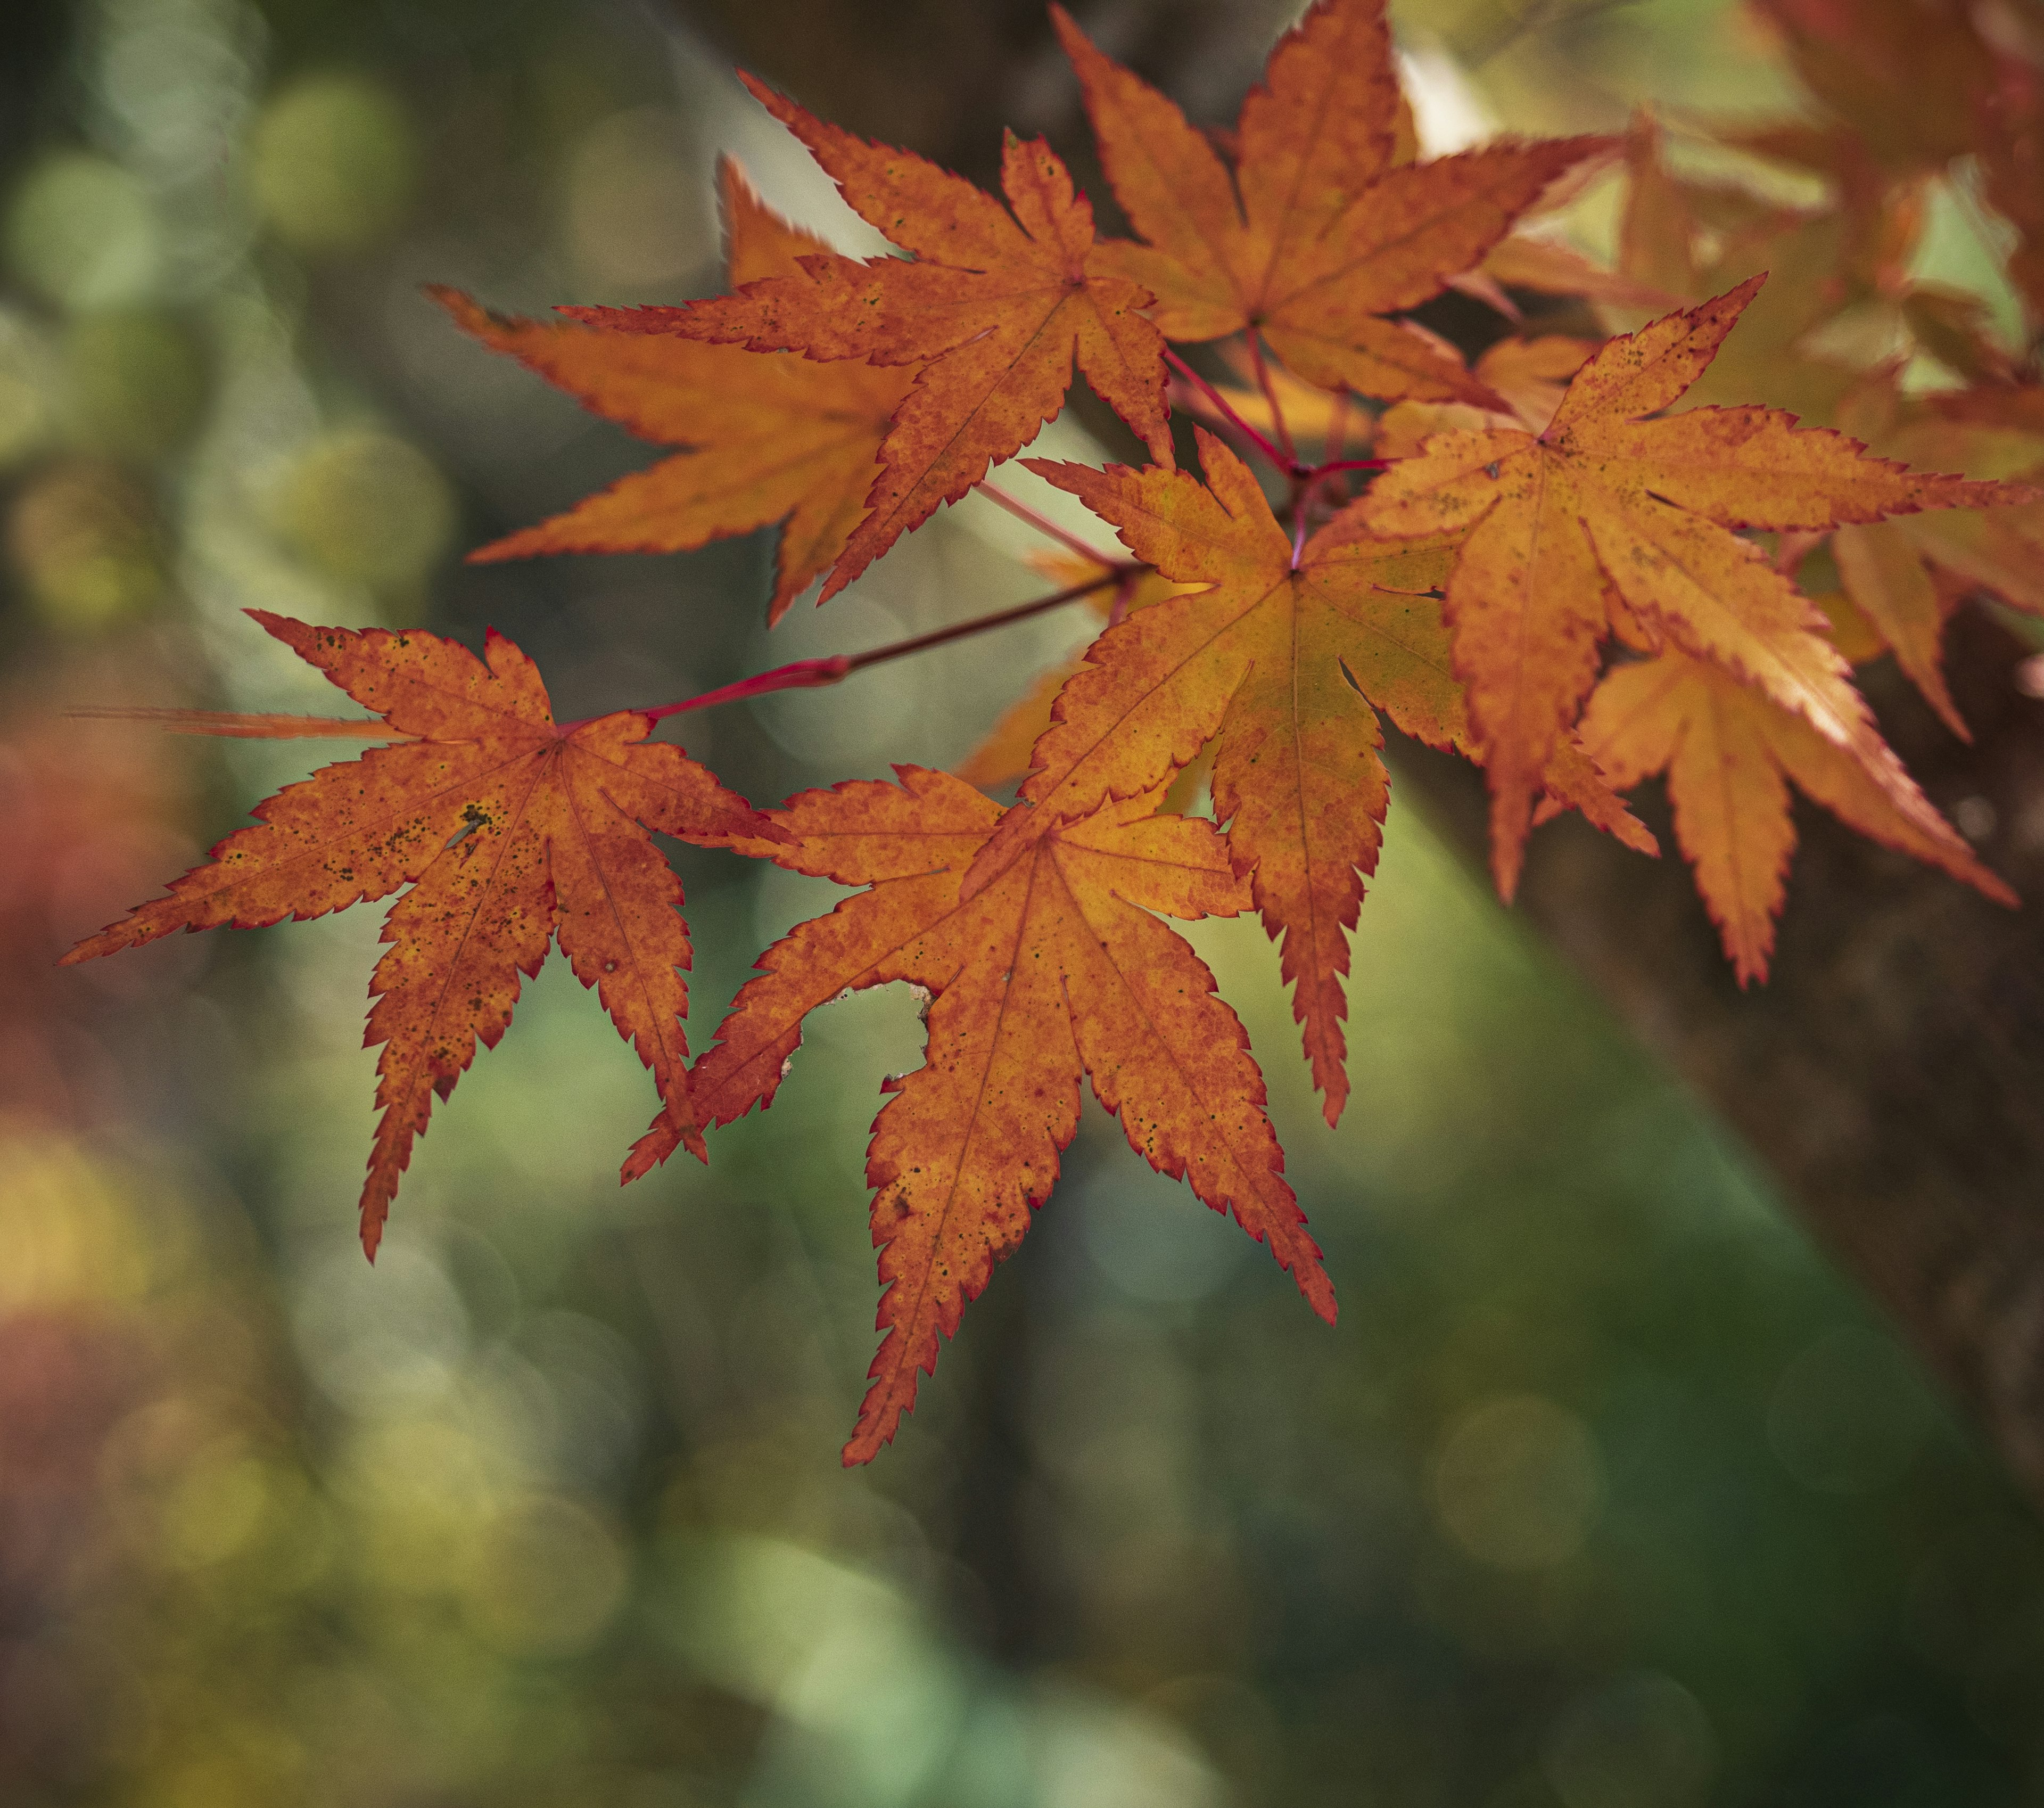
1043 523
1269 389
810 674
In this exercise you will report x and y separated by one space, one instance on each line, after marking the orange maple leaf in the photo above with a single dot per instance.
1530 375
509 828
1000 303
1549 266
772 437
1729 753
1281 653
1606 500
1905 576
1918 86
1317 233
1055 969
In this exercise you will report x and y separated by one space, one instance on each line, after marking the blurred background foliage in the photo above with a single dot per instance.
1606 1494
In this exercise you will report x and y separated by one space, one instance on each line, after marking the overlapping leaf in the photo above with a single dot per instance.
1697 239
771 438
1054 968
1729 753
1317 234
1607 501
509 830
1282 657
1002 304
1906 575
1921 83
1530 374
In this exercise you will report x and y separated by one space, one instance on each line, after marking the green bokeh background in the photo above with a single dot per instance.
1606 1494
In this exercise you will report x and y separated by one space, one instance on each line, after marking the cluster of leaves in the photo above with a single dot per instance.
1535 562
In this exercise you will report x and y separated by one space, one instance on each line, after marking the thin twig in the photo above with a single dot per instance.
809 675
1187 400
1043 523
801 675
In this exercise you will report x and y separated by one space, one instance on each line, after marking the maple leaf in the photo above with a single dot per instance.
1317 233
1605 500
1282 655
1530 374
1729 754
1922 84
1548 267
1000 304
1840 298
772 437
509 828
1053 969
1906 576
1696 240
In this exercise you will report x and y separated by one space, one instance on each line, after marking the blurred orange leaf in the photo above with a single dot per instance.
1906 576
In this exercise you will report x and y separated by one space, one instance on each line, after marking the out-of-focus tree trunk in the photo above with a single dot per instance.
1891 1073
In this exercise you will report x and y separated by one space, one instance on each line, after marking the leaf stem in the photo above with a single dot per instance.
809 675
1290 466
1304 476
1043 523
1302 488
1269 389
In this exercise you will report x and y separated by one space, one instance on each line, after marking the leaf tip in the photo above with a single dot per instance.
1734 300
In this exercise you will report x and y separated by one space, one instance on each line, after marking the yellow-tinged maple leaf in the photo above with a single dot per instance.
1316 233
1531 374
1055 969
1906 575
1548 267
1282 655
1002 304
1697 239
771 438
1607 498
1919 84
1729 754
509 828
